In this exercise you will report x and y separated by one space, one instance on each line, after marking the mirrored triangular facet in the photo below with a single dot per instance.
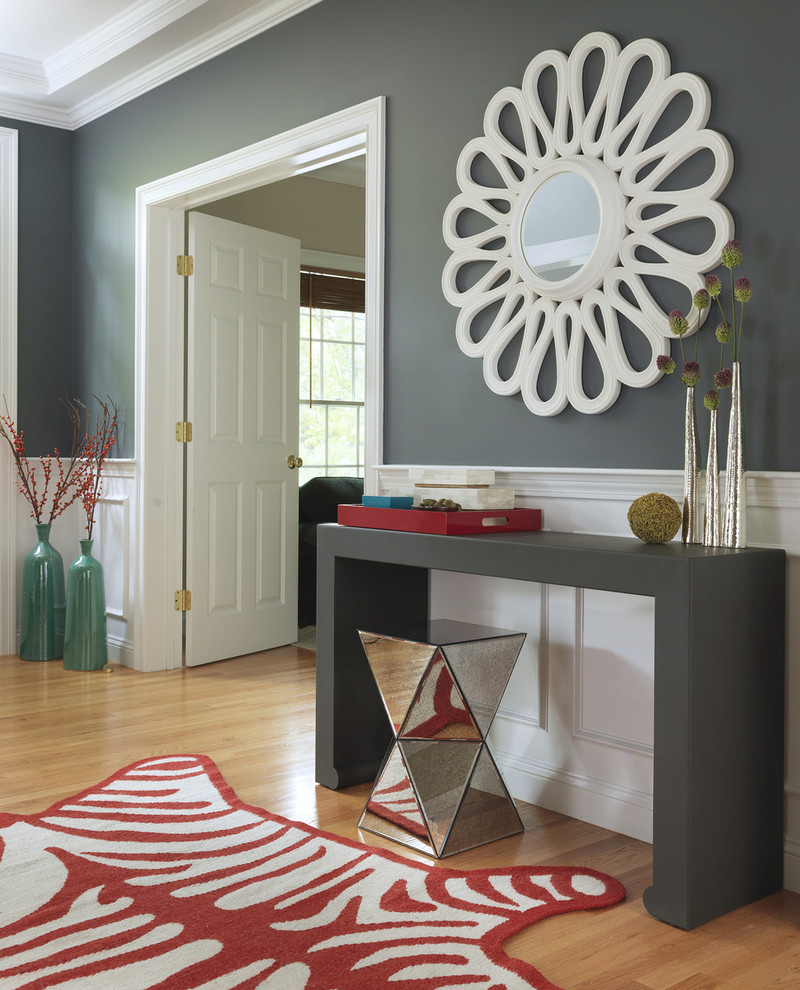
393 810
398 666
439 710
487 811
482 669
439 770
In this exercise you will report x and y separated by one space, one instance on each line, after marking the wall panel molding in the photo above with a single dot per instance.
580 729
113 526
114 529
589 655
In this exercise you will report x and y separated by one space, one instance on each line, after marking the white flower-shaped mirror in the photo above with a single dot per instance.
575 224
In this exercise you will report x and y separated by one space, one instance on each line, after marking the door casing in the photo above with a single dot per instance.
160 208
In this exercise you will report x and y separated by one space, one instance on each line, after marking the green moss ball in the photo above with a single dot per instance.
655 518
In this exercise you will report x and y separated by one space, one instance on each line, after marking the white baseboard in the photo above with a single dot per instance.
589 799
791 864
121 651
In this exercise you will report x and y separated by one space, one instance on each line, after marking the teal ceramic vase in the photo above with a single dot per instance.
85 643
41 633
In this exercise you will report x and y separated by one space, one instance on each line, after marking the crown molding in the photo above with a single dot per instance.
26 75
23 74
132 26
19 108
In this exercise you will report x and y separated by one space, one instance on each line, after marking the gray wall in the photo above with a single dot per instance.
438 63
322 215
45 284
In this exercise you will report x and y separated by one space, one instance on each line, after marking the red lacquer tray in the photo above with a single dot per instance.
461 522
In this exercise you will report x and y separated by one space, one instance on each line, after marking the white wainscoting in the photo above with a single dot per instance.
574 730
113 547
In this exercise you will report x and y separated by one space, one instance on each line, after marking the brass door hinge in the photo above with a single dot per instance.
185 264
183 432
183 600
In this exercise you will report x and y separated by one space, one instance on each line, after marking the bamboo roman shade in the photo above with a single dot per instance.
326 288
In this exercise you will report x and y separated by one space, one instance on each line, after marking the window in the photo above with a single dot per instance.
332 334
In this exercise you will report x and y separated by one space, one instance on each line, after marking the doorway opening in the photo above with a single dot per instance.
324 210
159 339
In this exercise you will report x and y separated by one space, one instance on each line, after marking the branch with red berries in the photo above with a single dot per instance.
69 472
77 476
95 452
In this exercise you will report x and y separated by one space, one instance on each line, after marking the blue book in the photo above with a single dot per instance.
389 501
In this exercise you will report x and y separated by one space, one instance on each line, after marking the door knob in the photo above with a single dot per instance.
294 461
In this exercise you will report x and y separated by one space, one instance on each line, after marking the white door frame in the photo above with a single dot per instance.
9 142
160 208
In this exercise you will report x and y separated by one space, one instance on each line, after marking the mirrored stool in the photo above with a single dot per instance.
439 790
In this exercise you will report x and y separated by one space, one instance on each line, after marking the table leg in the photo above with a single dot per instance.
718 748
353 730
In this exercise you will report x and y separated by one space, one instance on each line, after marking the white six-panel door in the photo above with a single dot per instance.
242 367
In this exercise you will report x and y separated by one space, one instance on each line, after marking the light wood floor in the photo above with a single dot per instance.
61 731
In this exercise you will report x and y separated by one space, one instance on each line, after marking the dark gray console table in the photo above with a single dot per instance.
719 684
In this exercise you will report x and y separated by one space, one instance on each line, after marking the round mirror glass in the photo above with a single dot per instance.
561 226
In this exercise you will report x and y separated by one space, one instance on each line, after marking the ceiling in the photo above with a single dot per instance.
64 64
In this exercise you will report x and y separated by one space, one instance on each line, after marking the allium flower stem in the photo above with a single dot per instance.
697 337
738 354
683 353
95 451
733 308
718 301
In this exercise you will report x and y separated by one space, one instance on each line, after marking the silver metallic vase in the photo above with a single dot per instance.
712 530
734 530
690 532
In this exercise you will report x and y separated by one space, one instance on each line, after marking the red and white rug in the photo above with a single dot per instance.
161 877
